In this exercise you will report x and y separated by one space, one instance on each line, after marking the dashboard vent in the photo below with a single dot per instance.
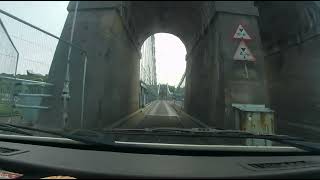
4 150
280 165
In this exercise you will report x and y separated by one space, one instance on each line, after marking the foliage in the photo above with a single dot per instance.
6 90
6 110
6 85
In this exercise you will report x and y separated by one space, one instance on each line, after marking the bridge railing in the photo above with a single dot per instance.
26 83
179 92
148 94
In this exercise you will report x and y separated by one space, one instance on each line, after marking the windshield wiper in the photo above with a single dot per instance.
211 132
202 132
99 138
9 128
95 139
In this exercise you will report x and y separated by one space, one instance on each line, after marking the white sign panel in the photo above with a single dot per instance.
243 53
241 33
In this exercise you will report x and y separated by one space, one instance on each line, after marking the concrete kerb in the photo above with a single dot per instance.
126 118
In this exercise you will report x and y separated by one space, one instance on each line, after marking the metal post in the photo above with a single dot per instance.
66 90
13 89
16 69
83 88
246 70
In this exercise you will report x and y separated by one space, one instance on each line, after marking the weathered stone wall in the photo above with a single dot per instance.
214 79
290 33
112 82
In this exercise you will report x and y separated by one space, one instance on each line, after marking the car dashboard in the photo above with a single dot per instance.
40 160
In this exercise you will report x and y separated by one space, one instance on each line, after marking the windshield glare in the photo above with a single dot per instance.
164 75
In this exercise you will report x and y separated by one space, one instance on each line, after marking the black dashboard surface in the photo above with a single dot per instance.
39 161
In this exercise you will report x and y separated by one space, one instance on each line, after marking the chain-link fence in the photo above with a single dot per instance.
28 85
8 57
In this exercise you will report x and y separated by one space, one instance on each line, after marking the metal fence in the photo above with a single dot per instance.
26 56
148 93
9 58
179 93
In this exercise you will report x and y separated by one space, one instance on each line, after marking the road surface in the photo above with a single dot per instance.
158 114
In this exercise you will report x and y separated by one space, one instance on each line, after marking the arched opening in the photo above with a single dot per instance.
162 67
105 78
113 37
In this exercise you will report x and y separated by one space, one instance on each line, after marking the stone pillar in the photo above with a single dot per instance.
112 82
292 61
215 81
237 87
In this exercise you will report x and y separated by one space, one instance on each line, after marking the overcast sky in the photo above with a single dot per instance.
170 58
51 16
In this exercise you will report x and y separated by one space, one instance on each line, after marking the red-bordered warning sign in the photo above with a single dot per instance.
241 33
243 53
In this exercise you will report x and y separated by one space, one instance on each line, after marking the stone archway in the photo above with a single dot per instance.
112 32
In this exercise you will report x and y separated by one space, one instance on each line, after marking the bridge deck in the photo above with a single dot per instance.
159 113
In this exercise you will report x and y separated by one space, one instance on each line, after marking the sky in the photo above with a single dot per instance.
48 15
36 49
51 16
170 58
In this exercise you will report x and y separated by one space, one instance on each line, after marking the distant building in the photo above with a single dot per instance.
148 75
148 62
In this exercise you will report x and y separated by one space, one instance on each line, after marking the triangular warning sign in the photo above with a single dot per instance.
241 33
243 53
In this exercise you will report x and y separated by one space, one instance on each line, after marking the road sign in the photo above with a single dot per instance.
241 33
243 53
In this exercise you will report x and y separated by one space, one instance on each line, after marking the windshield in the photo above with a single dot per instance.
193 73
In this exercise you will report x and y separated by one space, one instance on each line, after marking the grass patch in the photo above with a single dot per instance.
6 110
